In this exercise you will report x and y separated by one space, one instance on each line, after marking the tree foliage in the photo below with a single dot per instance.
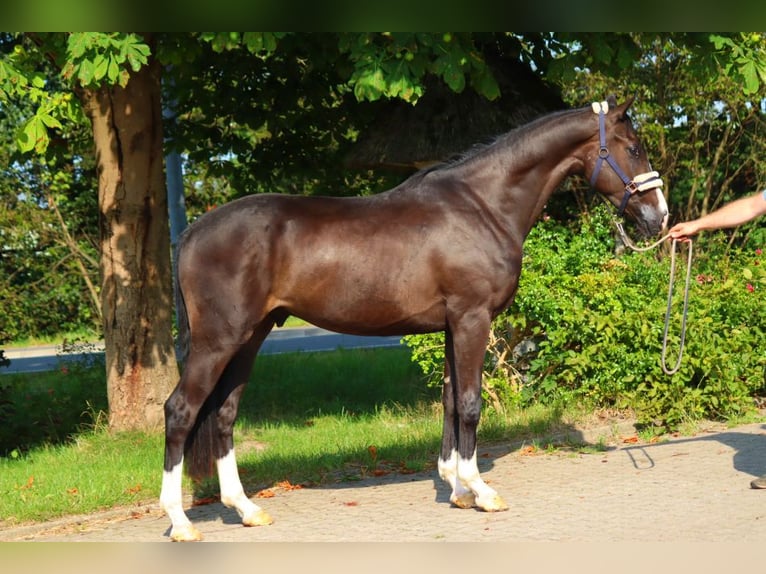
48 221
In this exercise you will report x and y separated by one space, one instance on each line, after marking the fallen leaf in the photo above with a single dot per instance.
72 491
134 489
351 503
286 485
265 493
30 483
630 439
204 501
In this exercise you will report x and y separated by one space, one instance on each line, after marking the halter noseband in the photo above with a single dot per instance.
640 182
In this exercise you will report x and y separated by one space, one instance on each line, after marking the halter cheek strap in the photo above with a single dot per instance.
640 182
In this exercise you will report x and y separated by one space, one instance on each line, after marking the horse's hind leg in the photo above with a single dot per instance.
234 379
182 407
209 390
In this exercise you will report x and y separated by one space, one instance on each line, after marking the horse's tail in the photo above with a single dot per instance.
202 445
182 316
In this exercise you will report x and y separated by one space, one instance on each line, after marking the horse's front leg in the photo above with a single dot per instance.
461 496
468 341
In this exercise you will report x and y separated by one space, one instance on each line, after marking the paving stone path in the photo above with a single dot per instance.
686 489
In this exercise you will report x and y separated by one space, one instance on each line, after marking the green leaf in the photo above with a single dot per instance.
86 73
100 64
142 50
750 74
455 78
136 59
124 78
132 49
76 45
269 42
486 85
50 121
720 41
253 41
370 85
33 135
114 70
400 88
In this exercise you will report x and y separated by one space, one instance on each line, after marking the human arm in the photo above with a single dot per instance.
732 214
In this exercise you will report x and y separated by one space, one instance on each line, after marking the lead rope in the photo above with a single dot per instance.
626 240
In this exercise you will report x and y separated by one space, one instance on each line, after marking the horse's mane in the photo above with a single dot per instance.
514 137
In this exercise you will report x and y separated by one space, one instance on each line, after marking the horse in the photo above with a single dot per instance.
442 251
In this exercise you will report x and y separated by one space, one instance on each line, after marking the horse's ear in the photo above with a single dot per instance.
611 99
622 108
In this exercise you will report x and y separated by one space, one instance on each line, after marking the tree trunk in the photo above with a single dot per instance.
136 293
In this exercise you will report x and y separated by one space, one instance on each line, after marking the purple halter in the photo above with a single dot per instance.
640 182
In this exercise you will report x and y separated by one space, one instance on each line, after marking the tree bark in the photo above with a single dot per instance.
136 294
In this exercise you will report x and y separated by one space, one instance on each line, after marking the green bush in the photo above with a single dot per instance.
598 323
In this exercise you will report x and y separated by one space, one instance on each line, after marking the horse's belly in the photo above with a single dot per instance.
349 303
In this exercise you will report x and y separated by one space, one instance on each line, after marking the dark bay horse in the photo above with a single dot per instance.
440 252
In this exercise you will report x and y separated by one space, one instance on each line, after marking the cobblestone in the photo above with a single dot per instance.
686 489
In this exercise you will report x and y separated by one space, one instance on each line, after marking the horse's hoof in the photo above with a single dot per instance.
185 534
465 500
259 518
493 503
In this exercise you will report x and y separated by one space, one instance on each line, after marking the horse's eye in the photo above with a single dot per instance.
634 151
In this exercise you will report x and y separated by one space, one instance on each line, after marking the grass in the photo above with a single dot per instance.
295 322
305 418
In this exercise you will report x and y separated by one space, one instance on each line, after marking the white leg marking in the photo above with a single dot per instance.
171 501
233 495
448 471
486 497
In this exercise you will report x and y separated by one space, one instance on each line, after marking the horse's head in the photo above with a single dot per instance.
617 166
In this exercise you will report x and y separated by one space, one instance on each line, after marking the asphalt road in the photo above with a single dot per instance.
285 340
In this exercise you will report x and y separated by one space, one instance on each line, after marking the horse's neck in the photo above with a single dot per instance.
529 172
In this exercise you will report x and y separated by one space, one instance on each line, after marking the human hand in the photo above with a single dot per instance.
683 231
